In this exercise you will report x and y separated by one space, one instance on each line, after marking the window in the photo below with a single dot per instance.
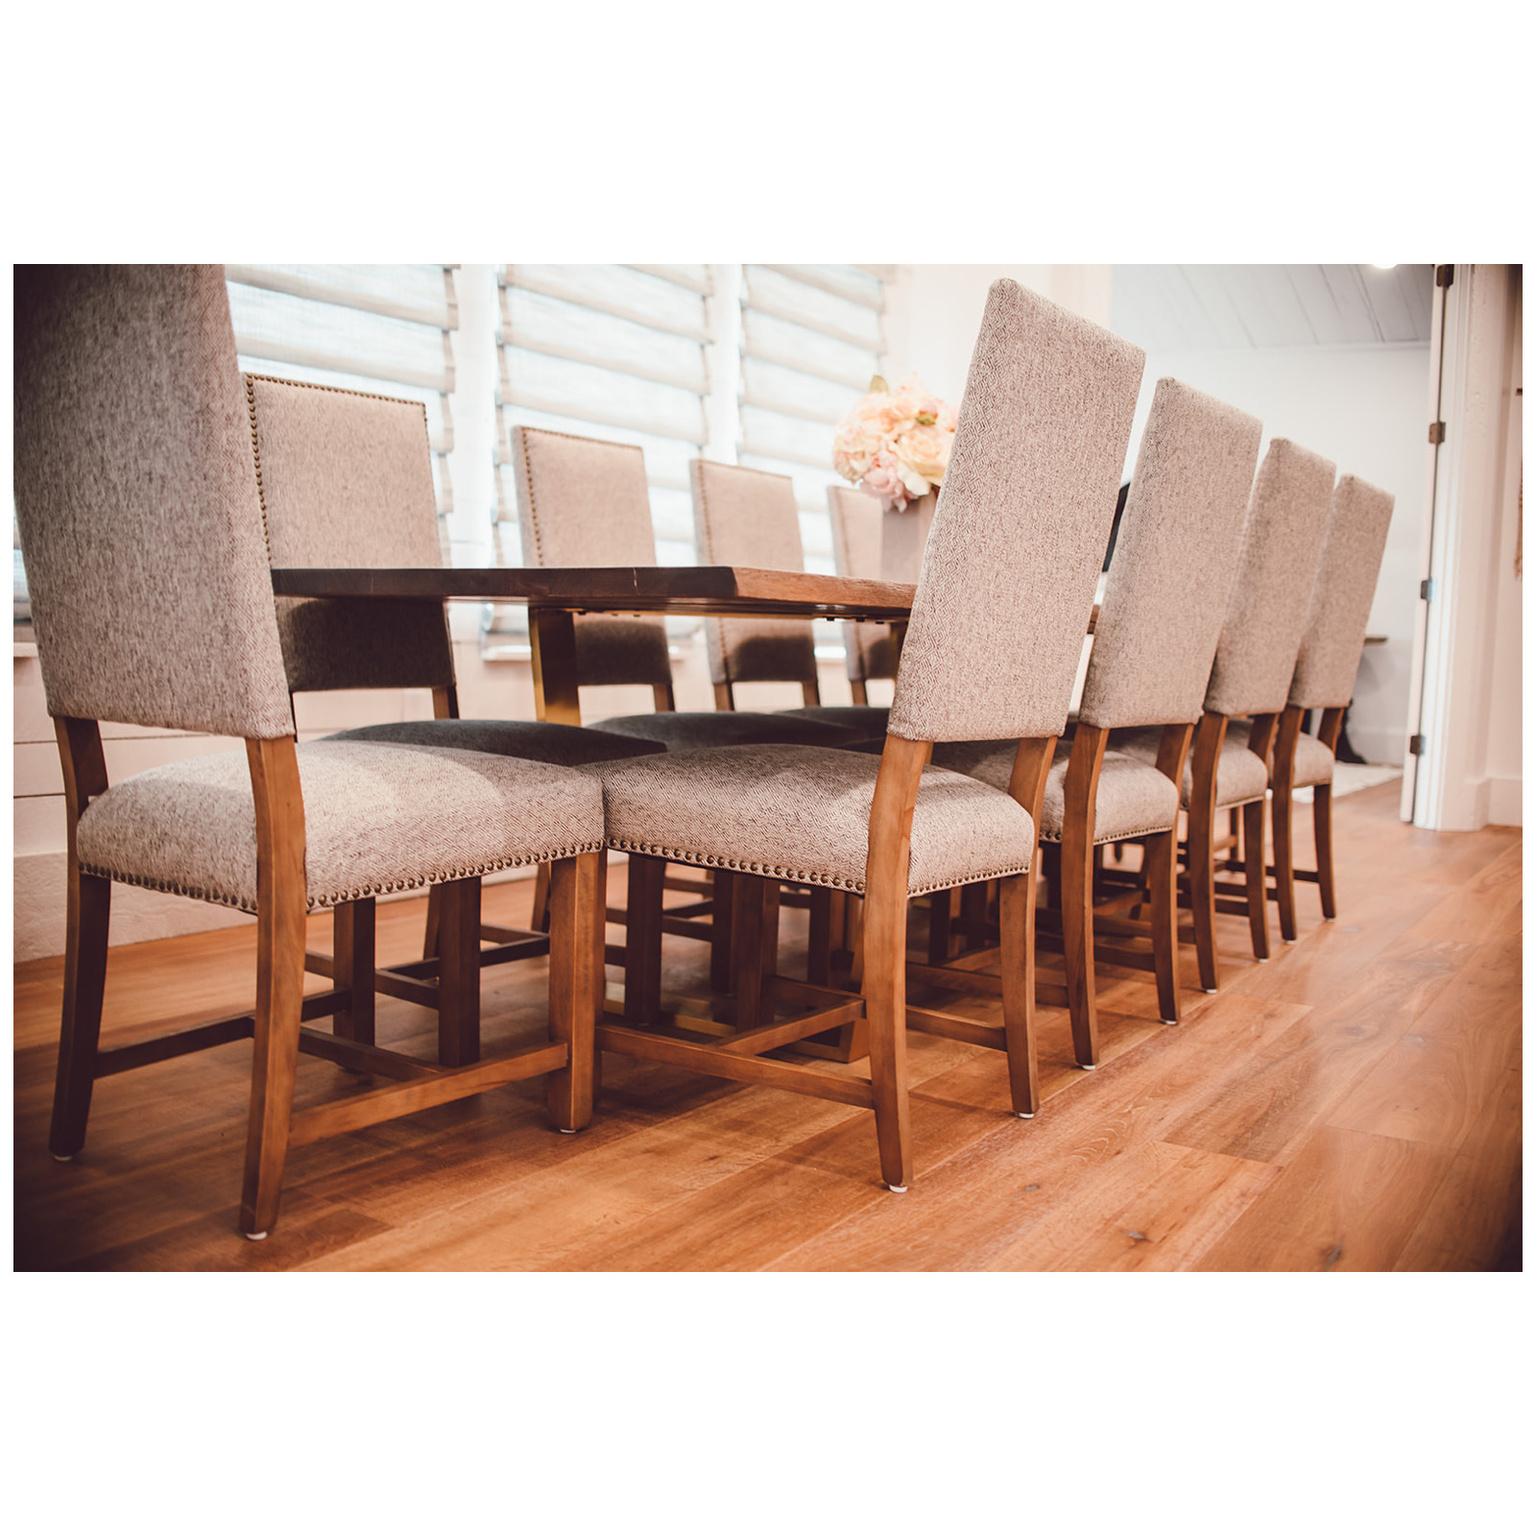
811 340
385 330
603 351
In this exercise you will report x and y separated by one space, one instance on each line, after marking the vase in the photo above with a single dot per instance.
903 537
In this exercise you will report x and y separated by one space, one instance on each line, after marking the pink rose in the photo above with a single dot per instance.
884 479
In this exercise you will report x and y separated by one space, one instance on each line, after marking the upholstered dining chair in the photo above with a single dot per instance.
345 479
1331 646
871 649
139 514
1255 657
585 501
1164 601
991 653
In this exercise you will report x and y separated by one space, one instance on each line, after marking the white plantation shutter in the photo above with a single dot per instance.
615 352
385 330
811 339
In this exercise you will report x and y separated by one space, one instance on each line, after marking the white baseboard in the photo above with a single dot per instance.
39 893
1504 802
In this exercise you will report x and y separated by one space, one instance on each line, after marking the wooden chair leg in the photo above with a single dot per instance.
974 907
755 924
720 922
85 977
1285 880
280 935
884 947
1161 874
663 699
1201 841
1253 867
818 946
810 693
859 691
939 942
642 937
1282 786
1202 900
458 979
539 922
1077 867
577 900
433 935
352 945
1016 920
1322 837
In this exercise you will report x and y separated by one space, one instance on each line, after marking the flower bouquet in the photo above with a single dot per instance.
896 446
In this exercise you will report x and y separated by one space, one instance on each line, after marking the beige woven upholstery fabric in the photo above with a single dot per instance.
802 813
1017 542
1281 543
857 531
540 741
749 517
583 501
680 729
136 500
1341 595
1132 798
1166 593
1313 764
866 719
346 480
376 818
1241 775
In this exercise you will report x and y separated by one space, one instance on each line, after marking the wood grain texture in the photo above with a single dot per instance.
694 589
1297 1090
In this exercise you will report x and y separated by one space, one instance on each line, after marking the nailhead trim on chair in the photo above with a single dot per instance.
339 898
782 872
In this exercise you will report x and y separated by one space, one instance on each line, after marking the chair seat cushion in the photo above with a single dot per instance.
540 741
680 730
1314 762
1133 797
377 817
867 719
1241 775
802 814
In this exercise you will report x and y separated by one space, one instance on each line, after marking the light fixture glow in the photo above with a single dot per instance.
1387 266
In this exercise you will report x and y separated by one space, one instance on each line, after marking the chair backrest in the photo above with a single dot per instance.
1017 541
1166 593
1282 539
749 517
583 501
136 500
346 480
857 531
1341 595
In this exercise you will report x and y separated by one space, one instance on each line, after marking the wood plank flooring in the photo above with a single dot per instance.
1352 1104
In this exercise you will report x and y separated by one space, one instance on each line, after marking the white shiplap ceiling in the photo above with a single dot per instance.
1197 307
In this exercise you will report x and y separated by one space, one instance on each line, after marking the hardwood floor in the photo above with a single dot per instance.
1352 1104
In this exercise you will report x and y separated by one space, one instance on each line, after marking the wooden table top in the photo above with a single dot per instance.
687 589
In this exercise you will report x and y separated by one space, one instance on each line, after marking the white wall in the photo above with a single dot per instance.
932 314
1366 409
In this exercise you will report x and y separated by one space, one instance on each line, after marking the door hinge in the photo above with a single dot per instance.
1437 431
1445 276
1427 589
1416 746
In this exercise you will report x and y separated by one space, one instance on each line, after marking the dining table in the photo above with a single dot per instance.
555 595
